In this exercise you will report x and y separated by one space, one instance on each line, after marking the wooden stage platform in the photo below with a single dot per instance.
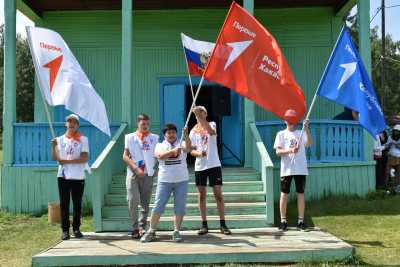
244 245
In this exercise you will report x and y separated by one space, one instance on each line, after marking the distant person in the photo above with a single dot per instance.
71 150
139 158
393 161
381 146
292 151
347 115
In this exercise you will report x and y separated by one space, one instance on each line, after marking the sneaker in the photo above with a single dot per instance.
301 226
225 230
142 231
65 235
78 234
148 237
283 226
176 236
135 234
203 230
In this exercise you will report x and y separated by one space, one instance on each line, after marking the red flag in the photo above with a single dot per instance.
248 60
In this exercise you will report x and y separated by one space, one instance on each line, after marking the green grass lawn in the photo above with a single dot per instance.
372 226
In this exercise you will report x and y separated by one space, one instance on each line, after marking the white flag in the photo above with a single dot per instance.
62 80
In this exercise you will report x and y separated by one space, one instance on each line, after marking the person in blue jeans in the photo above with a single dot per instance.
173 177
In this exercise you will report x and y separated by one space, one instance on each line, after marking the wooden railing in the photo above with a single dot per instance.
108 163
32 145
261 161
334 141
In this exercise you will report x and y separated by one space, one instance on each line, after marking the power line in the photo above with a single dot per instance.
392 6
376 13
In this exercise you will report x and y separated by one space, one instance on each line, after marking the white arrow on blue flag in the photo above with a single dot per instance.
346 82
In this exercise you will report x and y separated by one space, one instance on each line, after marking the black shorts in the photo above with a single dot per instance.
300 181
214 176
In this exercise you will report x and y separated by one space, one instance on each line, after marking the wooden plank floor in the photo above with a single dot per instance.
244 245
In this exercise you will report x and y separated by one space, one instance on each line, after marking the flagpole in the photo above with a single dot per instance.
316 92
187 67
53 134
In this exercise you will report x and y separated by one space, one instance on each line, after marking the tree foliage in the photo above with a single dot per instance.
25 78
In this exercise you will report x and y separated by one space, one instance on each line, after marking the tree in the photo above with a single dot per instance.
25 74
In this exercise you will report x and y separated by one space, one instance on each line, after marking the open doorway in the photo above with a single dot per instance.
216 99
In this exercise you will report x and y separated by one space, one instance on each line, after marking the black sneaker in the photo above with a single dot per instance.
203 230
301 226
136 234
225 230
78 234
283 226
65 235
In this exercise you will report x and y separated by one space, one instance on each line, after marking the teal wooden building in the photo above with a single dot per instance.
132 53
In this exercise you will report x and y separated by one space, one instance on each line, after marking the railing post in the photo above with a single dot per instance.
9 107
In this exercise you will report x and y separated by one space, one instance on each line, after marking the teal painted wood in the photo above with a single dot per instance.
127 61
9 86
103 170
333 179
32 142
334 141
249 107
263 163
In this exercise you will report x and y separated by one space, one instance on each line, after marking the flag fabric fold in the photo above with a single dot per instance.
197 54
346 82
248 60
62 80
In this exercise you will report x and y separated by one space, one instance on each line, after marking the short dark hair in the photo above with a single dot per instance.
143 117
169 126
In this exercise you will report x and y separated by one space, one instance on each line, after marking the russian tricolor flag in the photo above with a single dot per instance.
197 54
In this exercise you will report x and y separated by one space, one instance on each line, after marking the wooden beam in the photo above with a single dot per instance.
127 61
249 109
28 11
9 107
344 7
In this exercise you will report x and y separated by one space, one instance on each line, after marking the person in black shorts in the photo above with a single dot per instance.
293 165
207 167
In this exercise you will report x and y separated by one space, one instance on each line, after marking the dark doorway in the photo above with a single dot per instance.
216 99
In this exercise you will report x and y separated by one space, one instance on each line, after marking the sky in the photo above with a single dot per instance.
392 17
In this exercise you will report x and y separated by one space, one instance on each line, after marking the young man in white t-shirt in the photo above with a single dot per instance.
173 177
292 151
139 158
71 150
207 167
393 161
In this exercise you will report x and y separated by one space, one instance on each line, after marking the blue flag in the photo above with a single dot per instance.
346 82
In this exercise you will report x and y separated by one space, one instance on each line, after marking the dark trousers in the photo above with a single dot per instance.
70 189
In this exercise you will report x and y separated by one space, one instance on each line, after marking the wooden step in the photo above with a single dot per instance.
192 209
229 197
190 222
236 186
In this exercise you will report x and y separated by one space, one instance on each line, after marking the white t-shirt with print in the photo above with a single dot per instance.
205 142
69 149
393 150
172 170
286 139
141 151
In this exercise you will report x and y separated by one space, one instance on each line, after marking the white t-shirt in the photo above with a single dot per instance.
141 152
69 149
172 170
393 151
286 139
205 142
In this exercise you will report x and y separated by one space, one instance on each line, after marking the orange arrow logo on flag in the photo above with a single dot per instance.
54 67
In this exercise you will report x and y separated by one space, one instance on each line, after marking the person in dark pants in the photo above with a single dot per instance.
381 157
71 150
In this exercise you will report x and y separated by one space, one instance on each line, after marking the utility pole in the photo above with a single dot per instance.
383 54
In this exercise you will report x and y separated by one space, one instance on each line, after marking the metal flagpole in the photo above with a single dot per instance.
187 67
